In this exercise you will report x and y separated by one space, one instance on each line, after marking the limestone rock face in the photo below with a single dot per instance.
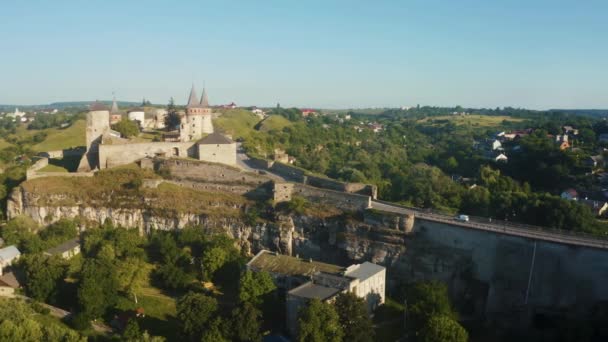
333 239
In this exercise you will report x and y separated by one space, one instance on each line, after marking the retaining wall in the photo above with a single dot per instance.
209 172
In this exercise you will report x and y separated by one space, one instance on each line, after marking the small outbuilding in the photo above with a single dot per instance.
66 250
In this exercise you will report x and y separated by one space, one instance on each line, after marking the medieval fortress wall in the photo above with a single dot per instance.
121 154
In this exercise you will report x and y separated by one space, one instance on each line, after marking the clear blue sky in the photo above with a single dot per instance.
532 53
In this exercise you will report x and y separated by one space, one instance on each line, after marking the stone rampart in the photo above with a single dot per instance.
346 201
239 189
289 172
38 174
121 154
260 163
209 172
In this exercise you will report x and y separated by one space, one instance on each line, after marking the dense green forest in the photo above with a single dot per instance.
419 155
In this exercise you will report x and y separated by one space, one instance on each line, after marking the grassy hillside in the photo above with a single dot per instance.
274 122
237 122
58 139
118 188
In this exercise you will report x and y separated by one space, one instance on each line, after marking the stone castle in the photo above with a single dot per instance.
195 138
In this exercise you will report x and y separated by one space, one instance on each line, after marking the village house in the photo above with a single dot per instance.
66 250
603 137
569 194
518 134
8 255
598 208
306 279
8 284
495 145
308 111
569 130
501 158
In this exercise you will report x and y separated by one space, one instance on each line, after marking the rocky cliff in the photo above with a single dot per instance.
332 236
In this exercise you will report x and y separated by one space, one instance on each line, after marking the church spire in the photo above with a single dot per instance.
204 99
114 105
192 101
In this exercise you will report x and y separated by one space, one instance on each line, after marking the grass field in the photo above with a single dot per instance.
59 139
274 122
472 120
237 122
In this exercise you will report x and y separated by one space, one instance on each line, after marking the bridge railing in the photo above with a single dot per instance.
498 225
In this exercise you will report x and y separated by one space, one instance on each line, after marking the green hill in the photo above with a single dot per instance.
239 123
62 138
274 122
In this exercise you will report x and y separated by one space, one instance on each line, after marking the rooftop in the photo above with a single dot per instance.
9 253
363 271
9 279
310 290
97 106
290 266
64 247
215 138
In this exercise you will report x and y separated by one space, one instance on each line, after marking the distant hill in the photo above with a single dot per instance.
69 104
596 113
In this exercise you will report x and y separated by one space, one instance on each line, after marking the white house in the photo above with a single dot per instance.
8 255
137 114
501 158
496 145
16 114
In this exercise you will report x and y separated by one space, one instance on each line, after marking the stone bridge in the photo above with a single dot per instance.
499 227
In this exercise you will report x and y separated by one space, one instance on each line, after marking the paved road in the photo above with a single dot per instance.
243 161
537 233
61 314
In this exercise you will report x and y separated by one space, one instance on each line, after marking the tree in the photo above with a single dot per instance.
441 328
132 331
354 319
319 322
246 323
194 311
212 260
132 275
126 128
42 276
214 332
172 119
427 299
98 287
253 286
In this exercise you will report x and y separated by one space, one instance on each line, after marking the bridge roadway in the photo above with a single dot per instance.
501 227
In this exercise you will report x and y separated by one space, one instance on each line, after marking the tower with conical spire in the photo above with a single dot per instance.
197 120
115 114
204 99
192 99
